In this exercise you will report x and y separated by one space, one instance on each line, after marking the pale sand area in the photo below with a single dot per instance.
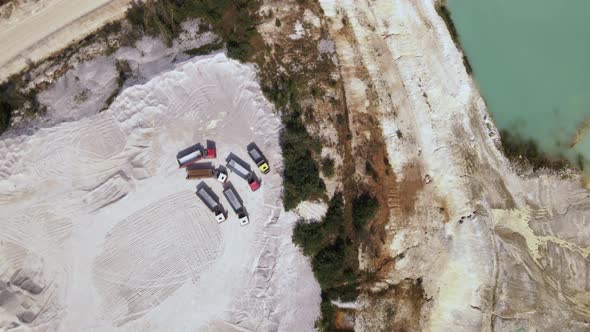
97 214
36 32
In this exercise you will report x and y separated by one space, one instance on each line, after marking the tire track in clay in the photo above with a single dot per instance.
150 254
30 246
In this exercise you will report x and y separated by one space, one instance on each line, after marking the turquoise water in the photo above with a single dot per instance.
531 61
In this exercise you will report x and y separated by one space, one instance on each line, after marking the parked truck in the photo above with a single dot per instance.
193 154
242 171
258 158
209 199
235 201
199 171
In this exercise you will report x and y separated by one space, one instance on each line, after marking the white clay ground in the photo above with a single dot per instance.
96 213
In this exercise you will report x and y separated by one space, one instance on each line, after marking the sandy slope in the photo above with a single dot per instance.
488 250
97 214
56 24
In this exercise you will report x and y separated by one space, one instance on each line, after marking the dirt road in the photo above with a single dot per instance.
46 30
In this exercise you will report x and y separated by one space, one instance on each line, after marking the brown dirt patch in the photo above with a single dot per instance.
344 320
408 189
401 305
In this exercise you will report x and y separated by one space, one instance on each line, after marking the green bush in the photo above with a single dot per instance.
364 208
334 258
281 91
336 264
301 175
12 99
328 167
234 20
324 323
334 254
312 237
309 236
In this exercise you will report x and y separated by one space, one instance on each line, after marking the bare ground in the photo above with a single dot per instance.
36 32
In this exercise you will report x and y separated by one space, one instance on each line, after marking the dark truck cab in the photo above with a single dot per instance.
258 158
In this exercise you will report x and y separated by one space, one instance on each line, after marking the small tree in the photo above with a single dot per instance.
364 208
328 167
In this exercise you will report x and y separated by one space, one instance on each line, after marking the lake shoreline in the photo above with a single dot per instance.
525 153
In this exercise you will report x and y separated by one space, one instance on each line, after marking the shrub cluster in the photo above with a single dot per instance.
234 20
328 167
301 175
333 248
12 98
518 148
364 209
334 254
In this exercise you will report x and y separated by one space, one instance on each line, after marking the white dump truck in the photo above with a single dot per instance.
207 196
236 203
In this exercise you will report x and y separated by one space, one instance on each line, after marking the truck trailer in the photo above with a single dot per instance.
199 171
207 196
237 167
193 154
236 203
